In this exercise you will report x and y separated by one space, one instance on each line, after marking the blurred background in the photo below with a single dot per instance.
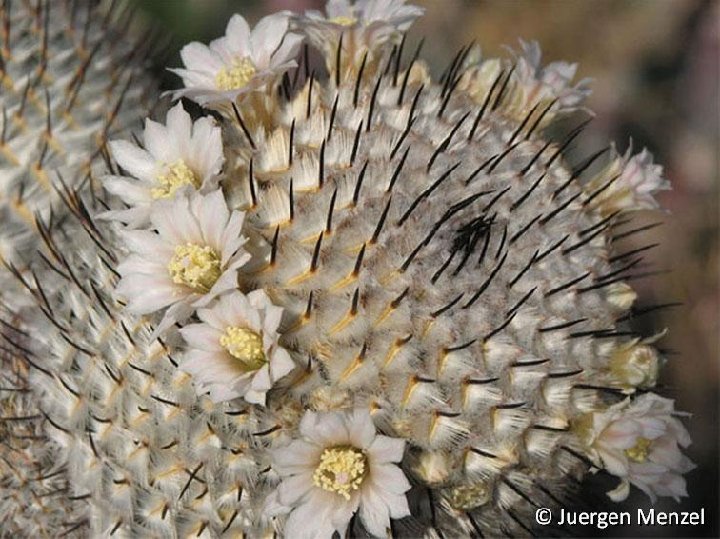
655 70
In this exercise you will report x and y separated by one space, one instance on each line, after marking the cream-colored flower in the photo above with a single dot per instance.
240 62
628 183
531 86
192 257
553 81
179 155
635 364
339 467
639 441
365 25
234 352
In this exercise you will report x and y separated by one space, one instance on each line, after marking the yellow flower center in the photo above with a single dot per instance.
178 174
237 75
640 450
246 346
341 470
343 20
195 266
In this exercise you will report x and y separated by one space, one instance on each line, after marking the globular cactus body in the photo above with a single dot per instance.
440 268
68 84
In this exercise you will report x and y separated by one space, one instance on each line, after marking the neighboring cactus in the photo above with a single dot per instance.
69 81
403 303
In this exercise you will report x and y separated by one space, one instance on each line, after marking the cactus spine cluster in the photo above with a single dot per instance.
409 310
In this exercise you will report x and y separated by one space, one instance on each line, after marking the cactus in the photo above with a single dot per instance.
355 299
68 84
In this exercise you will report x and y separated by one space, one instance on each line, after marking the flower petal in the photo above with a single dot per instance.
296 457
621 492
373 512
202 336
237 34
267 35
389 477
361 428
385 449
292 489
136 161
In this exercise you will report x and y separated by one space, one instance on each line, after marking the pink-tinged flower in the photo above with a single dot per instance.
629 183
544 84
365 25
240 62
639 441
179 155
193 256
547 90
235 352
339 467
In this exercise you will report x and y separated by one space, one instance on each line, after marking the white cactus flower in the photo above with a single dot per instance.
628 183
179 155
340 466
193 257
234 352
543 92
553 81
240 62
639 180
366 24
639 441
635 364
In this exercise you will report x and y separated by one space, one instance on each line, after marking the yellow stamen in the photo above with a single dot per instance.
178 175
237 75
640 450
246 346
195 266
343 20
341 470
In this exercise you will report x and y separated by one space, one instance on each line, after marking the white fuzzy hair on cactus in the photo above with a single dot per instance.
349 297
